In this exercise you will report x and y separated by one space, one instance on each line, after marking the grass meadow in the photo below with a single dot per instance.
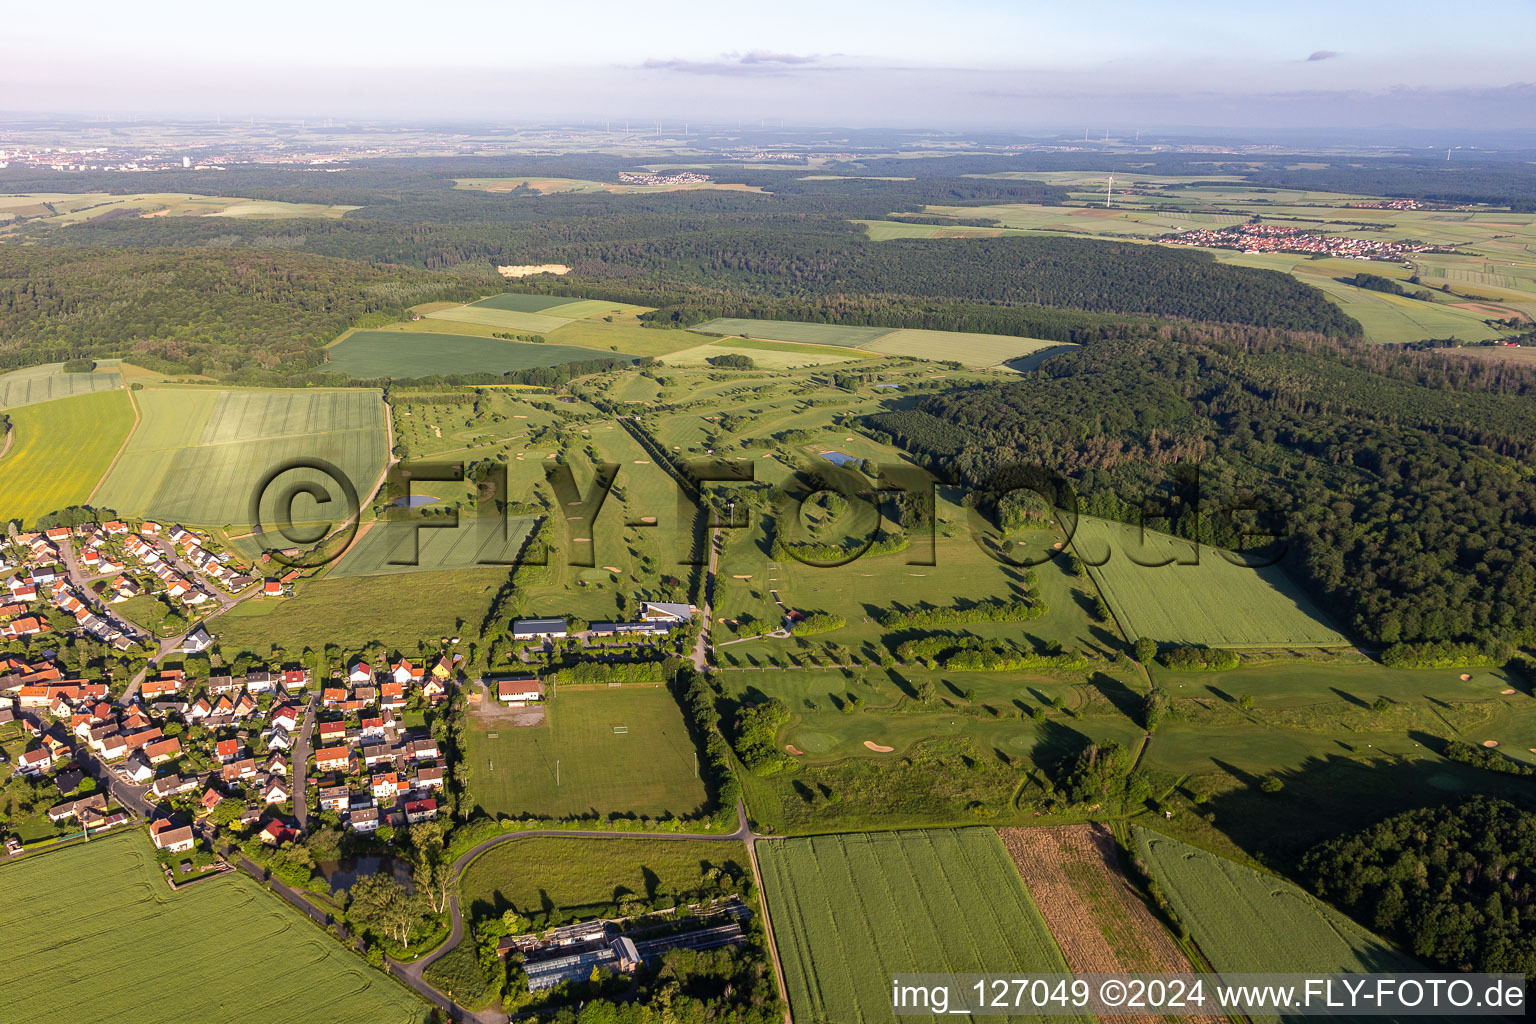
648 770
977 351
367 355
501 319
59 450
772 355
849 911
1247 921
198 455
587 878
395 610
1213 603
107 940
46 382
387 548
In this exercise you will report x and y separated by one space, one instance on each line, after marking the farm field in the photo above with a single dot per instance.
198 455
386 548
396 610
47 382
1212 603
57 209
1100 921
73 909
788 330
647 770
770 355
59 450
849 911
553 186
1247 921
977 351
587 878
503 319
367 355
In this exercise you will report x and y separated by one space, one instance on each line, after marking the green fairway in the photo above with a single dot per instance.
849 911
107 940
385 548
47 382
978 351
788 330
395 610
589 878
199 456
1246 921
1213 603
59 450
647 768
368 355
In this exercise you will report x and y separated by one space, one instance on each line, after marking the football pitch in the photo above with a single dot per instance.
621 750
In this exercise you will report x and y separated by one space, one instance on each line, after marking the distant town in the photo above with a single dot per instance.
1258 238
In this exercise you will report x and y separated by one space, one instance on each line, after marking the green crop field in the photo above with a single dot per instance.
46 382
518 303
978 351
59 450
1245 921
849 911
107 940
647 770
789 330
367 355
587 878
396 610
1213 603
502 319
405 547
59 208
198 455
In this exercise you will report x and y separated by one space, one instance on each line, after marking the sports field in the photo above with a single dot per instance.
1245 921
106 940
433 545
588 878
978 351
789 330
59 450
198 456
367 355
647 768
1213 603
45 383
849 911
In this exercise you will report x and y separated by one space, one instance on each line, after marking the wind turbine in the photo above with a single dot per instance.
1109 191
1448 153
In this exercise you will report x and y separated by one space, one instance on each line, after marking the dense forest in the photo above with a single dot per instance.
1453 884
1398 481
232 315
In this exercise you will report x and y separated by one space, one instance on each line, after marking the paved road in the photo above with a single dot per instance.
702 649
137 799
300 762
81 581
412 973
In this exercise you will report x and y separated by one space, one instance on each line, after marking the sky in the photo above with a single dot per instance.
973 63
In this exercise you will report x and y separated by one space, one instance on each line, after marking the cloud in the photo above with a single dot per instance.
753 62
1317 55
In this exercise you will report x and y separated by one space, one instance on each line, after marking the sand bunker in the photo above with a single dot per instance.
877 748
1490 744
648 520
1057 545
642 462
793 749
612 568
528 270
1510 692
1466 676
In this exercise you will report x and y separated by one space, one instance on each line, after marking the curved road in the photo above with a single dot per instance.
412 973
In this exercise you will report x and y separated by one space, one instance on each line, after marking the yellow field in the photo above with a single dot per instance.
59 450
